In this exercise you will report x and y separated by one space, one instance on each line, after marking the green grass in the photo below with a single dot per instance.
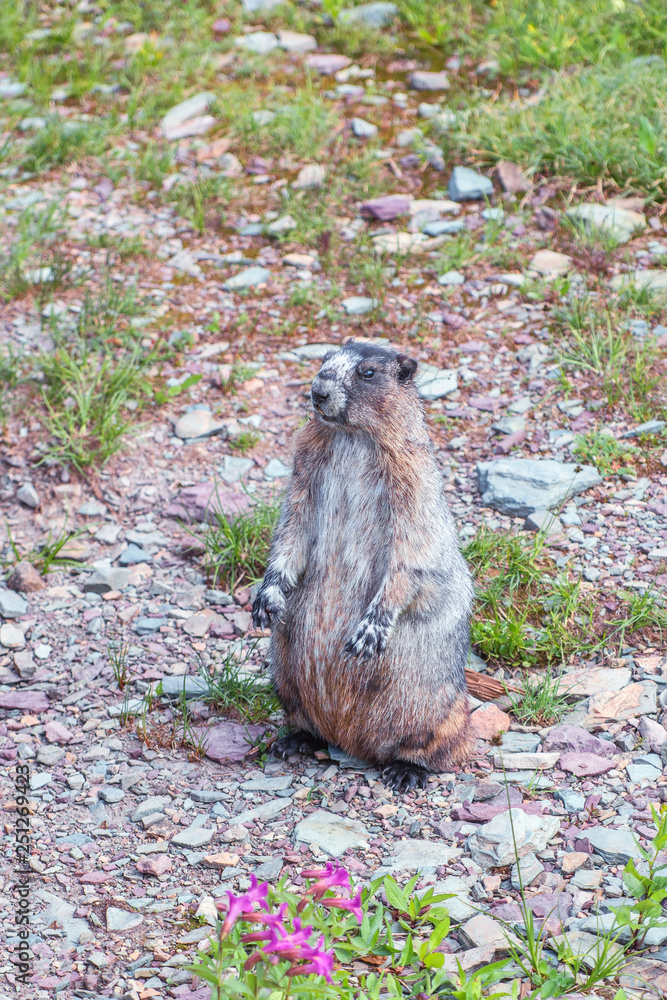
526 614
63 142
237 547
541 701
602 123
230 690
594 340
605 452
33 245
244 442
85 404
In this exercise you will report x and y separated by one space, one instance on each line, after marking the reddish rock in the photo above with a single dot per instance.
488 721
55 732
576 739
510 441
585 764
453 320
326 63
229 741
25 701
222 26
654 734
25 578
154 864
96 878
512 177
202 501
387 207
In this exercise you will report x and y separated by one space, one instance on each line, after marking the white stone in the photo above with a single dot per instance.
310 177
295 41
619 222
193 107
493 845
332 833
258 42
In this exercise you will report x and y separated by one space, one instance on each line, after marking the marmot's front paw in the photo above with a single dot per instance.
371 636
268 607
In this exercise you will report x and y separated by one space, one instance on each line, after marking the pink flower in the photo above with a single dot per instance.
319 962
290 945
327 878
353 905
242 906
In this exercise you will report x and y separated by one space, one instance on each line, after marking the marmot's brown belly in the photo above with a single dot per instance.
372 709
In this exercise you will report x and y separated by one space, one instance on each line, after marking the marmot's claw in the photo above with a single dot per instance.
297 742
371 637
403 777
268 607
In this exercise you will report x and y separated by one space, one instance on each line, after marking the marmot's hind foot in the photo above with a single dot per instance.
297 742
403 777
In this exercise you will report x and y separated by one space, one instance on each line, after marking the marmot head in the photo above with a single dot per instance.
359 385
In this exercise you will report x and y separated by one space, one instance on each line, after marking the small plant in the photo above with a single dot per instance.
234 691
237 545
647 884
244 441
275 942
541 702
47 554
118 651
605 452
84 400
171 391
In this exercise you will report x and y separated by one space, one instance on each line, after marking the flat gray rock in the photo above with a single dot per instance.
621 223
452 278
434 383
371 15
269 869
198 424
264 811
259 42
193 686
428 80
147 626
60 912
264 784
133 555
275 469
234 468
357 305
249 277
413 855
193 107
520 486
363 129
439 227
333 834
493 845
12 605
193 836
110 794
468 185
617 847
106 578
206 795
153 804
122 920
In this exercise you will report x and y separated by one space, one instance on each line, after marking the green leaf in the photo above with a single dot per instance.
441 931
395 896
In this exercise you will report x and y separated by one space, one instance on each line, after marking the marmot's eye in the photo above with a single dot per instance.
368 374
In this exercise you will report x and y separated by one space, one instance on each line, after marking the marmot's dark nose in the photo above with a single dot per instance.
318 396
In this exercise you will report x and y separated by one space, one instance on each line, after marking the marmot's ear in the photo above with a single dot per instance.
406 367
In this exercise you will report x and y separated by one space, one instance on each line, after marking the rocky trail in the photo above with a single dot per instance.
195 208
